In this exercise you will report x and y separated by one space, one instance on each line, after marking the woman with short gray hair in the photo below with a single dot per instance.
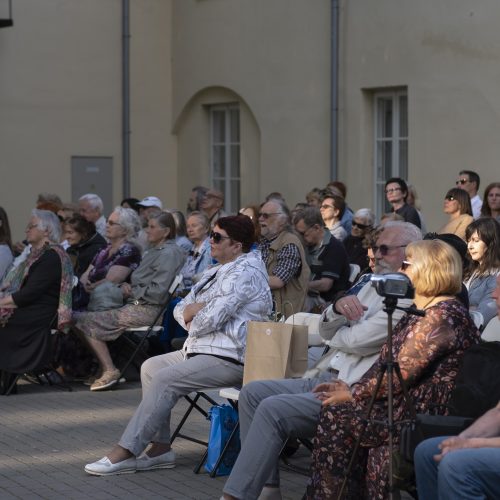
362 224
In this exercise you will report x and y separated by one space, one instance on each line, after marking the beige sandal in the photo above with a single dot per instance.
108 379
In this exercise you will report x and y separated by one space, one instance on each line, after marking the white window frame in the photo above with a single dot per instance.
225 181
397 168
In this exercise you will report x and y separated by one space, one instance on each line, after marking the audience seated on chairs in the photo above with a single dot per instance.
464 466
143 297
355 245
284 257
396 193
429 350
491 201
271 411
326 257
6 257
483 243
458 208
91 207
36 296
180 230
215 313
332 209
197 261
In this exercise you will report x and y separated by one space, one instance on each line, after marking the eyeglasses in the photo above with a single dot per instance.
217 237
462 181
325 206
384 249
392 190
266 216
405 265
361 226
449 197
112 223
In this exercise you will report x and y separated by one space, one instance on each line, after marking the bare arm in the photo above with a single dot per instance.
321 285
275 283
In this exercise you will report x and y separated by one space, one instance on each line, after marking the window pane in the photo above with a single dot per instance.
219 184
235 125
235 161
403 116
235 196
403 159
219 163
384 117
384 160
218 125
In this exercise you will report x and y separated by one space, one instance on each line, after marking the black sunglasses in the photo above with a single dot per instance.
266 216
217 237
461 181
384 249
449 197
361 226
405 265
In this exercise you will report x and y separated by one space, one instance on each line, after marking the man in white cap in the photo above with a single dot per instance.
148 206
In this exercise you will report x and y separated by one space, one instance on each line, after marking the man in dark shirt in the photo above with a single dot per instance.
325 255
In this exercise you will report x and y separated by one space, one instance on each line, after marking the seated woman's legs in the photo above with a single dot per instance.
270 412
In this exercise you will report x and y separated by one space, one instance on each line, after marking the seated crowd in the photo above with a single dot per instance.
93 278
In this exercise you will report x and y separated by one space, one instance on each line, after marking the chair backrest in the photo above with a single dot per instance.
492 330
312 322
355 270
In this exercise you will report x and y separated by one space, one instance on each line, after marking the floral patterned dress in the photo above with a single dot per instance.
429 351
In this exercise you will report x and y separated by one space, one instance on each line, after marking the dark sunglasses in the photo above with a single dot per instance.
461 181
217 237
449 197
384 249
405 265
361 226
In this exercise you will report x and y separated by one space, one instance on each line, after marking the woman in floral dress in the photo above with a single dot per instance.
428 349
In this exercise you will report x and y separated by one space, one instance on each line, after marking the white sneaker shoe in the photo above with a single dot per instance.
165 461
104 467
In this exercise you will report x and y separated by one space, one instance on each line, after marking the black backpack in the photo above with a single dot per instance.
477 387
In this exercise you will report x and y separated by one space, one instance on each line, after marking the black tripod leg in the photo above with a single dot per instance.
380 378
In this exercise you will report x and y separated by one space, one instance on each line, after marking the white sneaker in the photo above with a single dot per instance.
165 461
104 467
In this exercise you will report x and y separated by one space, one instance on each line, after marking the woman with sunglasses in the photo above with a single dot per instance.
215 313
458 208
362 224
483 246
429 351
332 209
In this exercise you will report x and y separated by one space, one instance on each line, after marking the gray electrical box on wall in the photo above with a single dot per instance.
93 174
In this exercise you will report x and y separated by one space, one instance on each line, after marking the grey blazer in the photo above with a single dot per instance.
480 290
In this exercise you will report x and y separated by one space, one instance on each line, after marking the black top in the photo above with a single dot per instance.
409 214
25 339
82 254
356 252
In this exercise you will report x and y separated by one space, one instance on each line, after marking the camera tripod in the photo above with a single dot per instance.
389 367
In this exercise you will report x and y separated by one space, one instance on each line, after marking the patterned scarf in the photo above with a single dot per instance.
15 279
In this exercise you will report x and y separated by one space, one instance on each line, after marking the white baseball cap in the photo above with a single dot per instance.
151 201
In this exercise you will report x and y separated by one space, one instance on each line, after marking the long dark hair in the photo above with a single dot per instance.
5 236
486 209
462 198
488 230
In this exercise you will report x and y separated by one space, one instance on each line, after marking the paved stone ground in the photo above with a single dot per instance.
48 435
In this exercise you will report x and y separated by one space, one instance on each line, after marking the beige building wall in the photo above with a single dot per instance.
447 54
271 57
61 96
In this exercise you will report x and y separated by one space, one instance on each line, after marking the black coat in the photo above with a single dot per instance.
82 254
25 339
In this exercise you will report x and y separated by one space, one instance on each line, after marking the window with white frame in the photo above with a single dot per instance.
391 142
225 153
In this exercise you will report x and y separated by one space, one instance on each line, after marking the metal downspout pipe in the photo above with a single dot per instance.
126 97
334 90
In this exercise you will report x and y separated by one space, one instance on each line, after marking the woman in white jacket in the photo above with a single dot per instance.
215 314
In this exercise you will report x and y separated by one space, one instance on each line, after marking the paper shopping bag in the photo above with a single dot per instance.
274 351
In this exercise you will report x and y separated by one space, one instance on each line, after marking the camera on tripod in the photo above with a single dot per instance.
393 285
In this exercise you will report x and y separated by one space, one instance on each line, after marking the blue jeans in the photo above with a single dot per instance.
467 474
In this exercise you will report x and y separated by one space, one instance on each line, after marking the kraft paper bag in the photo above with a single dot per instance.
274 351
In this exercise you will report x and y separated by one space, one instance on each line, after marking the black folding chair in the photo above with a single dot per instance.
173 287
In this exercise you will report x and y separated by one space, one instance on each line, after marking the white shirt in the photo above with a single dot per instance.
476 203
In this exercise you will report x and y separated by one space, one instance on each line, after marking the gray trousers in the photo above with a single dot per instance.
270 412
165 379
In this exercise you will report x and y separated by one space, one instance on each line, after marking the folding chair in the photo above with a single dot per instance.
153 327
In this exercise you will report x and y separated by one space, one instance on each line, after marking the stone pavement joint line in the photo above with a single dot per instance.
48 435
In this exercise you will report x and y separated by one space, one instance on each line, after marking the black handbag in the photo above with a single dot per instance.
428 426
